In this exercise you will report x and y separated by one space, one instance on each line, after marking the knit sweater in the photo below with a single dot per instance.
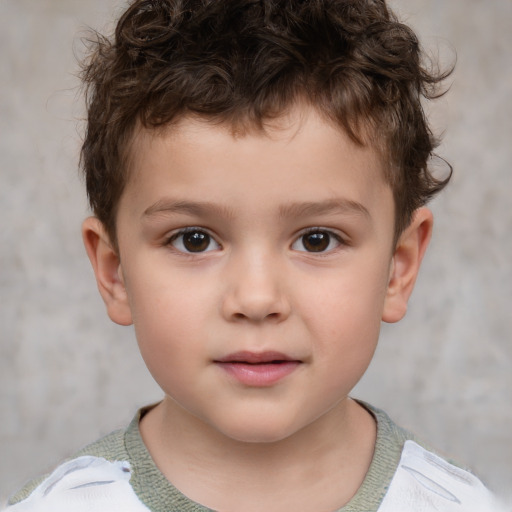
158 495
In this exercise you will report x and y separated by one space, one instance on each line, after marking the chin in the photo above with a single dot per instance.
257 432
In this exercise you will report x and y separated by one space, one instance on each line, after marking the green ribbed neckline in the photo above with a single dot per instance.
159 495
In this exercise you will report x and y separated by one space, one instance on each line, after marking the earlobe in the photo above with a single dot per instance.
107 269
405 264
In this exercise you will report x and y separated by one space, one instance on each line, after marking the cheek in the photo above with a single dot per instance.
345 312
167 316
345 347
168 344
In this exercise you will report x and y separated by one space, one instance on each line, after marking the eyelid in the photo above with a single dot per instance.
336 235
190 229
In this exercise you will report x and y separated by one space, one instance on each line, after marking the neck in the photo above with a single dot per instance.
318 468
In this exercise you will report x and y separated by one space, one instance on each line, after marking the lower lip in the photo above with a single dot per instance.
259 375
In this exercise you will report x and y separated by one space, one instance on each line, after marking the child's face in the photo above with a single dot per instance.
256 270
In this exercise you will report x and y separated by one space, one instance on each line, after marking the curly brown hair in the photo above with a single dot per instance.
246 61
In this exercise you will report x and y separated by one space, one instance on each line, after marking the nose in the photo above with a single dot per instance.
255 290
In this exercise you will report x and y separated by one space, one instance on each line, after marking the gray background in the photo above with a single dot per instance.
67 375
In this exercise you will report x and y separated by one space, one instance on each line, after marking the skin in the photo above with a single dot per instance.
259 202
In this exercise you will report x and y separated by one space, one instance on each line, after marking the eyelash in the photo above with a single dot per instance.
331 237
179 235
208 239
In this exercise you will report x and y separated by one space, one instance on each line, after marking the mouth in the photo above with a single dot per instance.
258 369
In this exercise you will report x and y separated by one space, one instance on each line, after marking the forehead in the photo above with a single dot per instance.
299 156
299 120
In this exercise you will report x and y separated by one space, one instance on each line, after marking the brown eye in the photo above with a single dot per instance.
317 241
194 240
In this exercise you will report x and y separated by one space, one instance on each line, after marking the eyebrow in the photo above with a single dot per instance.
330 206
300 209
196 208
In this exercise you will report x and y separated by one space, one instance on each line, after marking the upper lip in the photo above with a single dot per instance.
245 356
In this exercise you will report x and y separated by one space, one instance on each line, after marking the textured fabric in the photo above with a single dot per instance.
424 482
84 484
159 495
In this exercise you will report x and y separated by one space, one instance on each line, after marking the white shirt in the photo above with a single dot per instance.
423 482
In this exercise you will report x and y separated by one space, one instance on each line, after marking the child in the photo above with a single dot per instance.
258 174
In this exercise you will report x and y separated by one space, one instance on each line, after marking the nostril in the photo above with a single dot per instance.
257 318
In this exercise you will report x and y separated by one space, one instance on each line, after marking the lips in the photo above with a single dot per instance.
258 369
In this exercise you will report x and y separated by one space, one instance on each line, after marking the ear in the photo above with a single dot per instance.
405 264
107 269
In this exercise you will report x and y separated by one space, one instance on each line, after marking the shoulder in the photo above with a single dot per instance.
84 484
426 482
109 448
410 475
